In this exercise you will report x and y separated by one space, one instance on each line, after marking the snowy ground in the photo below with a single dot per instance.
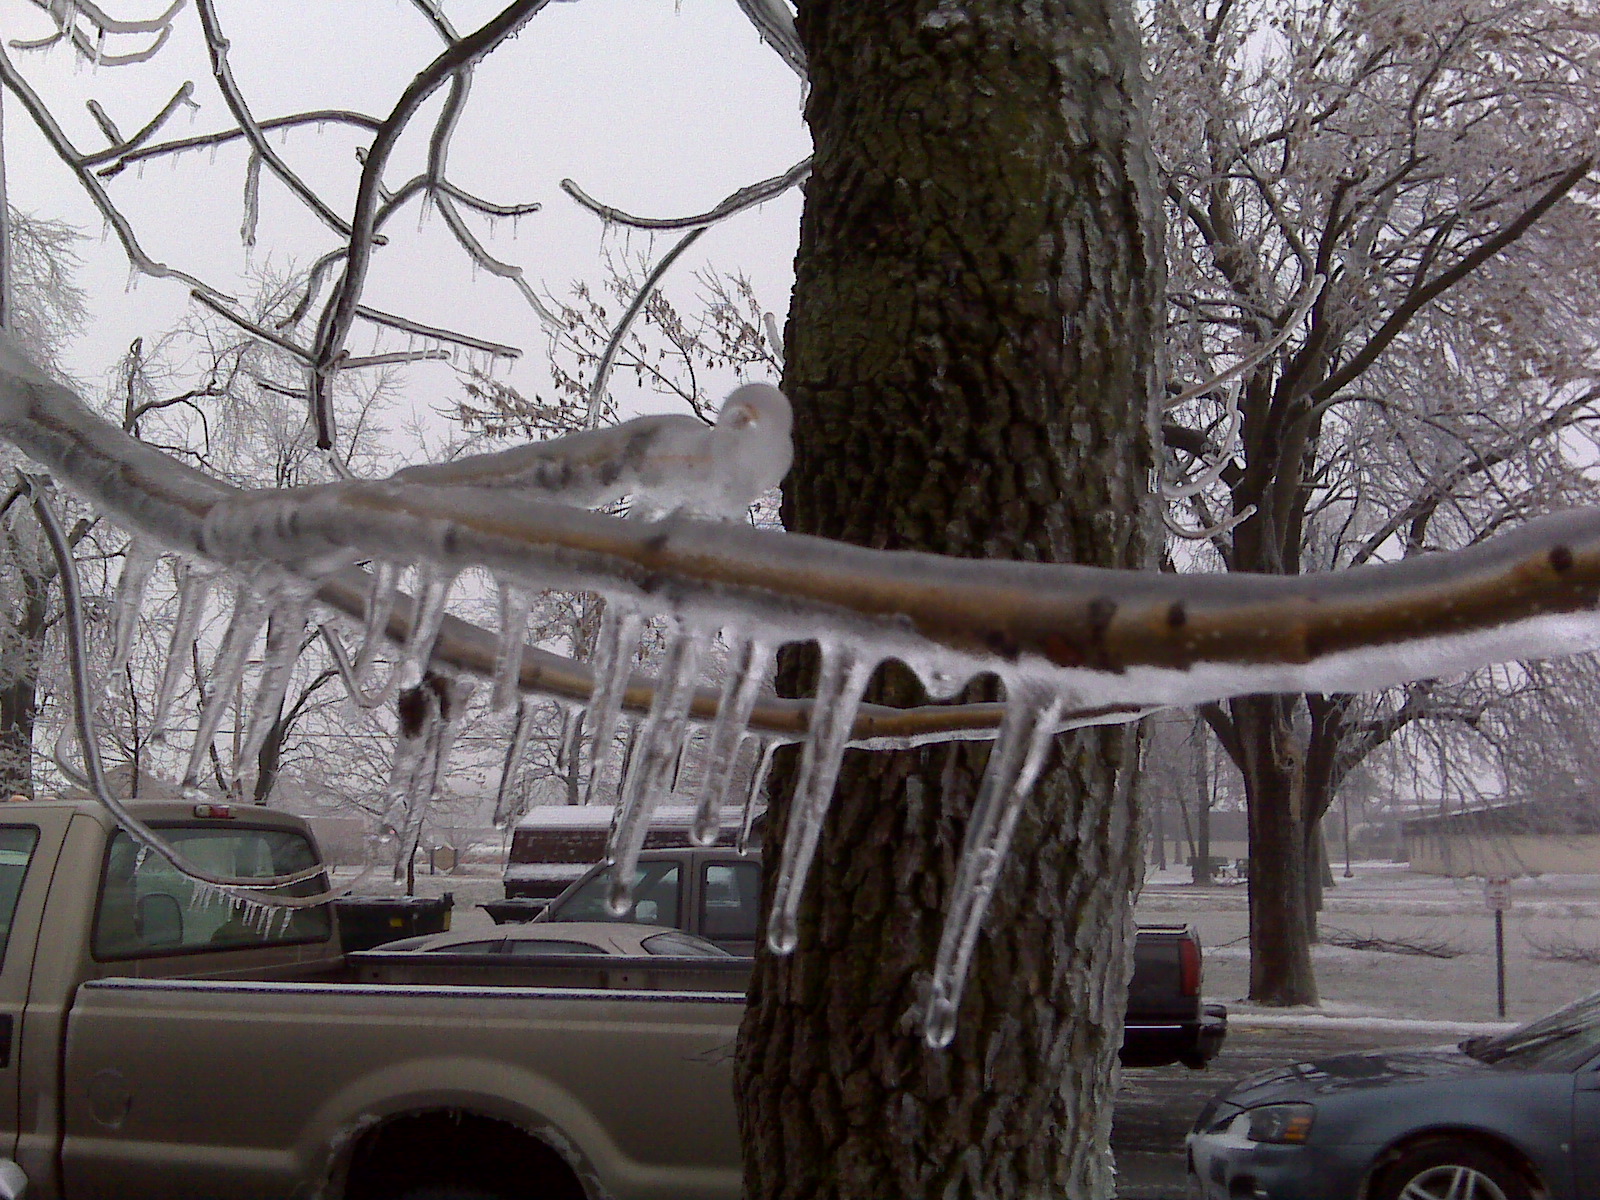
1385 900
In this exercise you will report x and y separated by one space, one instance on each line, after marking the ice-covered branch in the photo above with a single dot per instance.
775 23
217 47
1261 353
745 197
608 357
68 154
1103 636
123 146
418 329
330 116
250 327
340 313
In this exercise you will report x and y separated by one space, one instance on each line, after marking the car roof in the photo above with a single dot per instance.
622 937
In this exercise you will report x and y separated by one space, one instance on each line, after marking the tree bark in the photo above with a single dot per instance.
972 355
1274 778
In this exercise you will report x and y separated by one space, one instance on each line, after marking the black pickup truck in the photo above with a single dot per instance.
715 892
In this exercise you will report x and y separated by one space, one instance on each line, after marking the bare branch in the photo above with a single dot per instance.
745 197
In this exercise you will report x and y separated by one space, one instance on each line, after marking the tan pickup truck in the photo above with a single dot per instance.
159 1042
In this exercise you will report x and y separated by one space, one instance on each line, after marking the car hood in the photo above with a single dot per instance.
1348 1072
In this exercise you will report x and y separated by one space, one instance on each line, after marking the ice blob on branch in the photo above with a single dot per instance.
663 462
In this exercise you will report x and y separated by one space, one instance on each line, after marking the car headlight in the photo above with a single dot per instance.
1281 1124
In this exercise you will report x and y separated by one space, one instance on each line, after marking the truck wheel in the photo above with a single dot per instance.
1450 1169
448 1191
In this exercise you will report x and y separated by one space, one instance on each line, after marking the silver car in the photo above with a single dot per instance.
1510 1117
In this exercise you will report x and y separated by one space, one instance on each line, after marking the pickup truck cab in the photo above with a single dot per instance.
715 892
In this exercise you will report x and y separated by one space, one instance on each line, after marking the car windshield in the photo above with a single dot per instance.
1565 1038
655 897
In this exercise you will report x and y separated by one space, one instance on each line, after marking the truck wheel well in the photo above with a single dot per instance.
450 1148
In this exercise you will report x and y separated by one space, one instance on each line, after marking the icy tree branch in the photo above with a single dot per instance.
745 197
1101 637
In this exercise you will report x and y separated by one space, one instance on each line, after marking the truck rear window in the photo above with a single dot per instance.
16 851
149 907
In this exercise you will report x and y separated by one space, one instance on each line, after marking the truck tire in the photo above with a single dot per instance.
432 1191
1450 1167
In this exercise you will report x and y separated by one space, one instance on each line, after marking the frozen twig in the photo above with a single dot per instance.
1261 353
120 146
418 329
217 47
608 358
68 154
746 197
340 313
775 23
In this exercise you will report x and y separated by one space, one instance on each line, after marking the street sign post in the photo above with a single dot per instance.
1497 893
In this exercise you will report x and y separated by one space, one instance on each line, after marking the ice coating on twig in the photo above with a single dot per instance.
840 683
429 718
516 750
655 752
747 668
137 562
285 626
427 613
1014 762
380 604
767 747
663 462
613 661
194 586
508 658
249 610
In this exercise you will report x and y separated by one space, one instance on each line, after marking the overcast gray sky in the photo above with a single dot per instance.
658 108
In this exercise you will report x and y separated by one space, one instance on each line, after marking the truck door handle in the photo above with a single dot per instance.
6 1021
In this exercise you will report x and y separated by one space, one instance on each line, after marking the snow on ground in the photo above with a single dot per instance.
1387 901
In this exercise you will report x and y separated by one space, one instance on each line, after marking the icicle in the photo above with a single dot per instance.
193 587
747 667
248 612
427 613
767 747
508 657
521 729
380 604
284 629
445 704
137 562
841 680
655 751
1014 763
613 662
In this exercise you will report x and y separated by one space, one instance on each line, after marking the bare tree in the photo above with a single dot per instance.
1429 165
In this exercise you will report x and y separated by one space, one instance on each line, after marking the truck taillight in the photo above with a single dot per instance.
1189 966
216 812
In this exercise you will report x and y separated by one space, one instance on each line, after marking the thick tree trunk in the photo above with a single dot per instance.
1274 779
972 357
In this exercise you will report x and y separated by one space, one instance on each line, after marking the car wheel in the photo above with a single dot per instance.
1450 1170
